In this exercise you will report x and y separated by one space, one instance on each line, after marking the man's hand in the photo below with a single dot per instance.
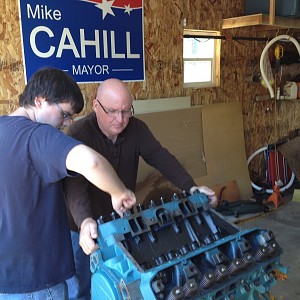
123 202
213 200
88 232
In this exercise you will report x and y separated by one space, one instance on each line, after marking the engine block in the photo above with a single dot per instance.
181 249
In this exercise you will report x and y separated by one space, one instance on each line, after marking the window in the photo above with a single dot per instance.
201 58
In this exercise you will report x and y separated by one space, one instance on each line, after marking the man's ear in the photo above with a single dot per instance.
38 101
95 104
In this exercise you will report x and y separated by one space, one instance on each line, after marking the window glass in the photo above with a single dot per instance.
197 71
198 48
201 58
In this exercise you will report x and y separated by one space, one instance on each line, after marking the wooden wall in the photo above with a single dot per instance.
263 122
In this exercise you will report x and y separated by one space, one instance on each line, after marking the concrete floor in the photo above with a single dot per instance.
285 224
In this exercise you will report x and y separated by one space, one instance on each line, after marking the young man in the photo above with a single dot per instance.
36 255
112 131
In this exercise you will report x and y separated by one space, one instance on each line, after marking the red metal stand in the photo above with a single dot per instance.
276 197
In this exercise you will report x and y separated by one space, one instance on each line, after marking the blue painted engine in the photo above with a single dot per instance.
181 249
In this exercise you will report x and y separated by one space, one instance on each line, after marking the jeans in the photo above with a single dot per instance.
57 292
80 284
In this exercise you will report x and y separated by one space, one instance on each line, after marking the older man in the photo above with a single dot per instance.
112 130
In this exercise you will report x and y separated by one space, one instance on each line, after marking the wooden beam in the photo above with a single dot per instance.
272 12
243 21
260 19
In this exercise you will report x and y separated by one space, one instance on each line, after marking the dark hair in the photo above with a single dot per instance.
56 86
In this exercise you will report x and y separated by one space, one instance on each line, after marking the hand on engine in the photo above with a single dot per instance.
123 202
213 200
88 232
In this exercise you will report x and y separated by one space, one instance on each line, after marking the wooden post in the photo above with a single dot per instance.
272 12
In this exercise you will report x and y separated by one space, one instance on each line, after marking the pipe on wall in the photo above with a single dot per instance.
264 52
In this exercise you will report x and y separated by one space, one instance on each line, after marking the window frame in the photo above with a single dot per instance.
215 66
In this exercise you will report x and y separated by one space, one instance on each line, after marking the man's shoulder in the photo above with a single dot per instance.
85 129
82 123
85 120
20 125
136 121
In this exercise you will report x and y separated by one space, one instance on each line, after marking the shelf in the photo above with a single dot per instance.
267 98
262 21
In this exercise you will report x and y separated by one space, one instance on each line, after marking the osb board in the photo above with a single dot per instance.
224 147
11 65
163 29
180 131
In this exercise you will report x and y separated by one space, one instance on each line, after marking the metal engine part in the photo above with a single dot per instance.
181 249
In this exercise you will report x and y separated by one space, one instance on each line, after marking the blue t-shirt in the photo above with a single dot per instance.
35 245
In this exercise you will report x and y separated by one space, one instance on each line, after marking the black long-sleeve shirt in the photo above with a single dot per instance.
84 199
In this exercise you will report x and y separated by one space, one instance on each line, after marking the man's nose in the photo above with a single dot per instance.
120 116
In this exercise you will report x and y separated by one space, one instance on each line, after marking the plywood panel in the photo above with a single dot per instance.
163 104
179 131
224 147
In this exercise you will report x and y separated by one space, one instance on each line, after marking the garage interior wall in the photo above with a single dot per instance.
163 33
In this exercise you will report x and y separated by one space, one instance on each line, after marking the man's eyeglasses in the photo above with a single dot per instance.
65 115
114 113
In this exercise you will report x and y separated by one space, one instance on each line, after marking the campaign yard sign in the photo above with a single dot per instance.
92 40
